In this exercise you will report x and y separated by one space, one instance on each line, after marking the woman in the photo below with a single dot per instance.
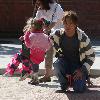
51 11
74 52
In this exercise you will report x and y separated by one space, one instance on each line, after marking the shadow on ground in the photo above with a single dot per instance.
6 50
10 41
88 95
48 85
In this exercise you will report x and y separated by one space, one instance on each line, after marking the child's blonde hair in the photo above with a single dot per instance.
38 24
72 15
28 25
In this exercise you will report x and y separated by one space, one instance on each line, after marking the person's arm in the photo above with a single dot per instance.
89 59
21 38
39 14
89 54
58 15
49 27
27 39
78 74
55 37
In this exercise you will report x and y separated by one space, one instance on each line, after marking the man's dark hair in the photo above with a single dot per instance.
72 16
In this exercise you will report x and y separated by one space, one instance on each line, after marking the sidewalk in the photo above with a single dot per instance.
8 47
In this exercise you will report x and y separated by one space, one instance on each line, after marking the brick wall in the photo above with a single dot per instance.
13 14
89 14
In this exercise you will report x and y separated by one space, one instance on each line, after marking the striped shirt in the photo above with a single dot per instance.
86 52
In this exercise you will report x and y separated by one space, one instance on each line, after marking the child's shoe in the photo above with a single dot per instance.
24 77
34 82
35 79
7 74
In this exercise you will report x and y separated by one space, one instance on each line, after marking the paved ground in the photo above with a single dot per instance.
13 89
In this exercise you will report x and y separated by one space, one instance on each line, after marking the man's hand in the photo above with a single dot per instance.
78 74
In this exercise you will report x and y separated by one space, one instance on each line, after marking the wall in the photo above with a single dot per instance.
14 13
89 14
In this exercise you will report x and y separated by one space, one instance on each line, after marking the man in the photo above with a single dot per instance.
74 52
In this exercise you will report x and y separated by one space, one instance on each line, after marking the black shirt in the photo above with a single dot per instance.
70 49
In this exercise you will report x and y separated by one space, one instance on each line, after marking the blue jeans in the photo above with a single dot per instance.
61 70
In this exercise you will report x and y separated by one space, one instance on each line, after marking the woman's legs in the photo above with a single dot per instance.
48 66
26 68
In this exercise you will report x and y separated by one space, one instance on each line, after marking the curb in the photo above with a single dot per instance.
93 72
41 72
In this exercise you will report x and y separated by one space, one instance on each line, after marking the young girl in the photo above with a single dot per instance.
38 42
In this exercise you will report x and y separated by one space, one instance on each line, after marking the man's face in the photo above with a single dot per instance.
69 26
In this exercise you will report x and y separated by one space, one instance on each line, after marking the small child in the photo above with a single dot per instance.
38 42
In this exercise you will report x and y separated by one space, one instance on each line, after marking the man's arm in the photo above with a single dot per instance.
89 57
89 54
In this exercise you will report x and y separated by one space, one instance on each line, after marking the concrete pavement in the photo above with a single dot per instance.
13 89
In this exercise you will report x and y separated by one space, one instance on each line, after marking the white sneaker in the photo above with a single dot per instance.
6 75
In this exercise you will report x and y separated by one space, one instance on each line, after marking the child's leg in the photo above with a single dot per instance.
24 75
34 75
34 80
26 68
11 67
25 72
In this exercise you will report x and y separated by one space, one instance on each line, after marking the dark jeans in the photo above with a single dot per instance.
61 70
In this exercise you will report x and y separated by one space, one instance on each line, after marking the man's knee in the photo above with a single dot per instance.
79 86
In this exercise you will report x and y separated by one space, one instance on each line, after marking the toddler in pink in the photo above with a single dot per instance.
39 43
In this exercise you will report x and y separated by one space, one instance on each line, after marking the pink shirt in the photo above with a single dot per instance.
38 43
